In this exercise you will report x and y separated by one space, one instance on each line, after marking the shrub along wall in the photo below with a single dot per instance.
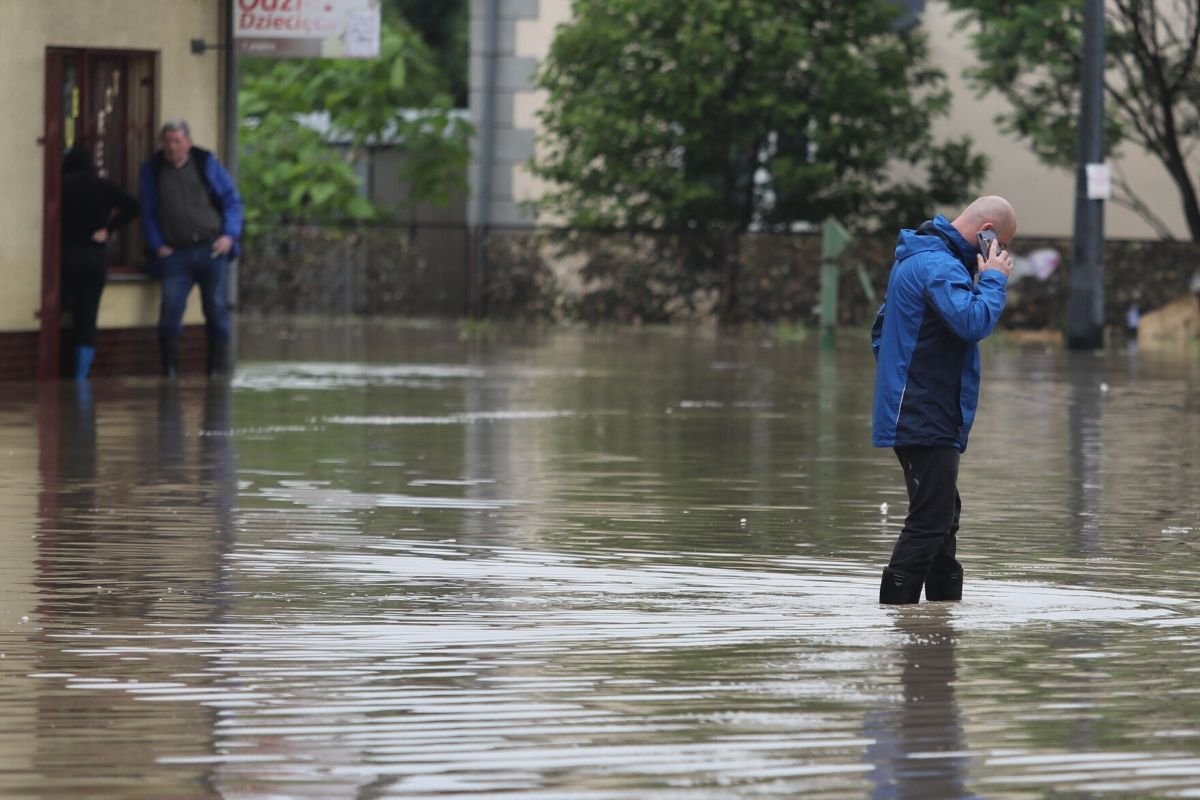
547 274
650 278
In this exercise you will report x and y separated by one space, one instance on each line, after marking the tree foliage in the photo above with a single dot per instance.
288 168
729 115
443 26
1030 54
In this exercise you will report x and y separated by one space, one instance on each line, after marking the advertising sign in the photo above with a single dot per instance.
307 28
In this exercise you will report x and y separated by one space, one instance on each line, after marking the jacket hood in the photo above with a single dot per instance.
936 234
77 159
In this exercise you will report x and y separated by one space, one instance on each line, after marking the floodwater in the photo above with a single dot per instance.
390 562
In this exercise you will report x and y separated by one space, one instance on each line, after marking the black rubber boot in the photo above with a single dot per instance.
899 588
168 347
218 358
944 586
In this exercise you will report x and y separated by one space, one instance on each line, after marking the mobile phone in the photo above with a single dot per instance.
984 239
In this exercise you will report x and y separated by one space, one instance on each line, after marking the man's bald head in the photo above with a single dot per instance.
992 212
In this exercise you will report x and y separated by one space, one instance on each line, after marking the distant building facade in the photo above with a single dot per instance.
1044 197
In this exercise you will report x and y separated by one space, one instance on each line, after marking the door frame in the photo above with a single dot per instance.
49 350
50 311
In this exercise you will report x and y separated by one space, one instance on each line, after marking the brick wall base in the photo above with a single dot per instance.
119 351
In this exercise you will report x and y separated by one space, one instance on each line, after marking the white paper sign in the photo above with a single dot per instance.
1099 182
362 35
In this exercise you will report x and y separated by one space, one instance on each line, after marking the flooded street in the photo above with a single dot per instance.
387 561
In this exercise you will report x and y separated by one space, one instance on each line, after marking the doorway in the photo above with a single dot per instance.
104 100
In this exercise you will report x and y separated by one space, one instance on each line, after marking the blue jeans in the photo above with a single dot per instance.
184 268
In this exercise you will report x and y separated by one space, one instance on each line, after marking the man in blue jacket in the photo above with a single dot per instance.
192 218
944 294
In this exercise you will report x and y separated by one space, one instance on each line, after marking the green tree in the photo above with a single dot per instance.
443 26
1030 54
722 116
289 169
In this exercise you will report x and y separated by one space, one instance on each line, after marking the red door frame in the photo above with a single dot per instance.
50 313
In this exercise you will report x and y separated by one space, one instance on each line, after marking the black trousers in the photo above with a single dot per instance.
928 541
84 272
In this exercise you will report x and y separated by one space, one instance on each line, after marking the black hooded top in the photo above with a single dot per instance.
90 202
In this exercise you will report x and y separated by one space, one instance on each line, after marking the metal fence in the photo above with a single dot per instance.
357 270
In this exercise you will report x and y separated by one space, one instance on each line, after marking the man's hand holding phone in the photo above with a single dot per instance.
990 255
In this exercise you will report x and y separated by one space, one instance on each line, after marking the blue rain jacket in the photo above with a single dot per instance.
926 338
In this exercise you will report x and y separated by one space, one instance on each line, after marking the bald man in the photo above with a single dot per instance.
944 294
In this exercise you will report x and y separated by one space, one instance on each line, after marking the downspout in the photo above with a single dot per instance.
232 80
230 110
487 148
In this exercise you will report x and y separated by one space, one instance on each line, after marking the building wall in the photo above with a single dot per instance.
534 37
1044 197
514 64
189 86
383 185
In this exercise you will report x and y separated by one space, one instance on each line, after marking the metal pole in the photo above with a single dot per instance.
487 144
834 239
232 80
1085 307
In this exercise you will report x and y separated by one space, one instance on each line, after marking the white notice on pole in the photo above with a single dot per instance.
362 34
1099 182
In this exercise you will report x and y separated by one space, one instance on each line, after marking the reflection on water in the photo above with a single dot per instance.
918 745
387 562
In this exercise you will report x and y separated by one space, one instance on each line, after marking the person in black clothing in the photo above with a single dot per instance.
93 208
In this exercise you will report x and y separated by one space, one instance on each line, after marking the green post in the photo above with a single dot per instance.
834 239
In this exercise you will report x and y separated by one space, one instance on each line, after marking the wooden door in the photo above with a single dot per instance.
104 100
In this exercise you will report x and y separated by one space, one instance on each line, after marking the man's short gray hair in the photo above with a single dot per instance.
176 125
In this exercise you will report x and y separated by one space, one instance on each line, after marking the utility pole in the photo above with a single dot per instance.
1085 306
486 162
232 80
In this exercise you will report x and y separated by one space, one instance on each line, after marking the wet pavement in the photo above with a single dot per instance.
388 561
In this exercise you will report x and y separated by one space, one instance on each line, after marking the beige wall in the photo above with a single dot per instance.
189 86
533 39
1044 198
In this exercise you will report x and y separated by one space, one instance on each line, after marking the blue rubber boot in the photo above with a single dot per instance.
83 361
